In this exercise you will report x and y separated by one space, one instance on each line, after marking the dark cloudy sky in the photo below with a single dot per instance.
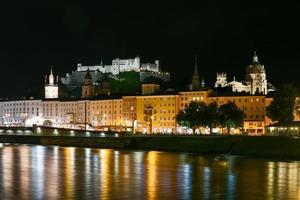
37 34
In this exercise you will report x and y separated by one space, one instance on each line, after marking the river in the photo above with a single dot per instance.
52 172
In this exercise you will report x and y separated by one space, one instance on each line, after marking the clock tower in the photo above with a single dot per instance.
51 86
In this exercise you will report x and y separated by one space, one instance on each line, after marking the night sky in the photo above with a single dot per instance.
36 34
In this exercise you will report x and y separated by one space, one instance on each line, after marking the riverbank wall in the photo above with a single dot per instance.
255 146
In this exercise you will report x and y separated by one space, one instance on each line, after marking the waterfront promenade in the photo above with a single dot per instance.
257 146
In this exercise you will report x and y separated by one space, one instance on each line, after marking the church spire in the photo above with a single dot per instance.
195 79
51 77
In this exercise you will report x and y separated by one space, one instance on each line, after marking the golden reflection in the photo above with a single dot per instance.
24 153
38 170
126 166
7 167
52 175
105 161
283 180
87 165
69 173
116 163
151 184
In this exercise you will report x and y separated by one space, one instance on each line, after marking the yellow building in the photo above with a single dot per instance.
156 113
186 97
150 88
129 111
254 109
106 113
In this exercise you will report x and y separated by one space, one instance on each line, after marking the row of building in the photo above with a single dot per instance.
150 113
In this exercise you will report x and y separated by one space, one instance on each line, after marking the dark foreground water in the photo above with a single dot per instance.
51 172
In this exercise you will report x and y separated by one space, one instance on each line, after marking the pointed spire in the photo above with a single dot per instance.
195 79
51 71
255 58
196 65
233 78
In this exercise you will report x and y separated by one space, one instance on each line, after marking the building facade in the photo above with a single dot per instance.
51 86
21 112
156 113
255 82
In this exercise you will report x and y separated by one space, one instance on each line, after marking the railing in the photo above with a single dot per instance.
56 132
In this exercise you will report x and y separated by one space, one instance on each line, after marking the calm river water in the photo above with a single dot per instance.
51 172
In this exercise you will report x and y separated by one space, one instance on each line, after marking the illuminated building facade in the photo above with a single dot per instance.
106 113
51 87
157 113
254 108
130 111
186 97
146 113
255 80
21 112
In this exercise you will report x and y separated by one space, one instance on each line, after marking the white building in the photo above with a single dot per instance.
21 112
51 87
255 80
122 65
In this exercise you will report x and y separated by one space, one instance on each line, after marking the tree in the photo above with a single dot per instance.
283 105
192 116
230 116
212 116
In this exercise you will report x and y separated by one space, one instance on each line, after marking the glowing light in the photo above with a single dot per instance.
102 134
38 130
116 135
88 133
55 132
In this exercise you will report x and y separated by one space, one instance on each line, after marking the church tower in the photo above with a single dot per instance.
51 86
87 87
256 77
195 79
221 80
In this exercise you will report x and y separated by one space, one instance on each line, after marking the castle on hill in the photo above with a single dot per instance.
91 81
96 78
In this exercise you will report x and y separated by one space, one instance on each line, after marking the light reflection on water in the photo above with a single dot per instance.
51 172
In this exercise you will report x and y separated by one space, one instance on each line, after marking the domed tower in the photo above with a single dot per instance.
51 86
256 77
87 87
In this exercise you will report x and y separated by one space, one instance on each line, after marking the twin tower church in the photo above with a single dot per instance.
255 82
